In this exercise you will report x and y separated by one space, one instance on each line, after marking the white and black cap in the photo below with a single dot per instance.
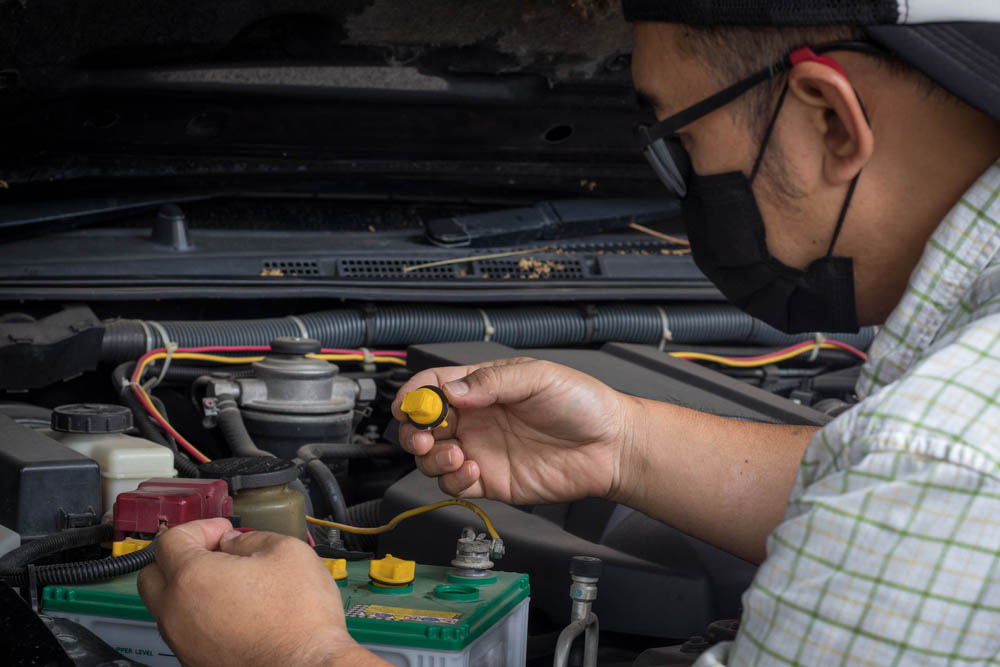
954 42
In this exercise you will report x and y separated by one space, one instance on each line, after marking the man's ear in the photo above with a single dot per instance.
837 116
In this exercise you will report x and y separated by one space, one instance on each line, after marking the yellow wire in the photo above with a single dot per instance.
358 357
406 515
733 363
198 356
152 406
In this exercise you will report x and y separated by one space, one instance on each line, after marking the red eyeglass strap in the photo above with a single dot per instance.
807 55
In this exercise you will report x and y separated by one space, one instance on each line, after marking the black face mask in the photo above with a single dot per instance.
729 244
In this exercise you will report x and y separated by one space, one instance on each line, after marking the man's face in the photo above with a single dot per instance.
724 141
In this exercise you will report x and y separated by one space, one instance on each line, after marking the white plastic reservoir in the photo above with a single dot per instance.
97 431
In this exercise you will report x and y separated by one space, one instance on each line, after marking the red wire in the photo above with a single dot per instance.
765 357
267 348
198 456
850 348
801 346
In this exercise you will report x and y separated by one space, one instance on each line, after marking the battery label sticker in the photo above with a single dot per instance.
382 613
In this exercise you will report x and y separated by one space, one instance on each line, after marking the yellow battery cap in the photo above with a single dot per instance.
426 407
337 567
392 571
127 546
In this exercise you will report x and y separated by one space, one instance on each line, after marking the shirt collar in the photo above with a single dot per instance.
965 243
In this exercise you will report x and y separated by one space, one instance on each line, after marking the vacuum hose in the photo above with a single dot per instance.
234 430
324 478
365 515
523 327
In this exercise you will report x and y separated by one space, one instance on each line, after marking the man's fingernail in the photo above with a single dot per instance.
444 458
230 535
457 388
408 443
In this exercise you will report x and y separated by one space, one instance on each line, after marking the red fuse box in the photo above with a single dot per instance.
170 501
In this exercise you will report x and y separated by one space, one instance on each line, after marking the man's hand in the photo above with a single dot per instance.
522 431
526 431
221 597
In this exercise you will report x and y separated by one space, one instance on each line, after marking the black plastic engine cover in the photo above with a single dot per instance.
44 485
657 581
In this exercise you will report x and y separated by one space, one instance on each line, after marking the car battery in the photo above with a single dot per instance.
438 619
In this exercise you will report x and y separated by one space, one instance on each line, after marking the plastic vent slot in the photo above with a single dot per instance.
282 267
532 268
393 268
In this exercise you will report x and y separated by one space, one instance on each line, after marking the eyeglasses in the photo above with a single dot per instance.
660 143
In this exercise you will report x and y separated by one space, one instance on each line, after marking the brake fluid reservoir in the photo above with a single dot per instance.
261 497
98 432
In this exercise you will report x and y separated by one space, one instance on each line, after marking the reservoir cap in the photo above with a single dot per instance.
91 418
251 472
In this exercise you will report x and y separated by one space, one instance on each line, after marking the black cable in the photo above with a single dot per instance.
83 572
17 559
120 379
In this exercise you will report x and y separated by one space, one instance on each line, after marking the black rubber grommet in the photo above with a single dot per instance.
585 566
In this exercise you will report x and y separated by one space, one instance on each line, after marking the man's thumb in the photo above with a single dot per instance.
249 543
490 385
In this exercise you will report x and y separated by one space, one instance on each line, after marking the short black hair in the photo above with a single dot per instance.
735 52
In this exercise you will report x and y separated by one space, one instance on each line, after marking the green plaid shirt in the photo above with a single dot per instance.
888 554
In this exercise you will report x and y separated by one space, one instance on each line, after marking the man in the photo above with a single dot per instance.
851 182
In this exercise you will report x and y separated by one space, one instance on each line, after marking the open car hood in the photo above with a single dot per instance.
561 40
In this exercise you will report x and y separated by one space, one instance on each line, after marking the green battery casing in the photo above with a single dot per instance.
439 611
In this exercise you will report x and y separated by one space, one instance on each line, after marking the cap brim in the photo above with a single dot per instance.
963 58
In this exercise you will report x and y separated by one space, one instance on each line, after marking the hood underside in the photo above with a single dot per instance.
563 40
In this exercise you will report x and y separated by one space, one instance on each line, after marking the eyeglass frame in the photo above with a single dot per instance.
660 143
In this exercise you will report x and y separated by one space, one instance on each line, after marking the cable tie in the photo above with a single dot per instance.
147 334
666 335
589 312
817 342
368 354
488 330
33 587
171 347
300 324
159 328
370 312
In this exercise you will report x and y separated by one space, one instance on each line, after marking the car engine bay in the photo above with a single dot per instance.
112 425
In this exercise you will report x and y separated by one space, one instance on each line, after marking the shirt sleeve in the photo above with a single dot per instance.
892 560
